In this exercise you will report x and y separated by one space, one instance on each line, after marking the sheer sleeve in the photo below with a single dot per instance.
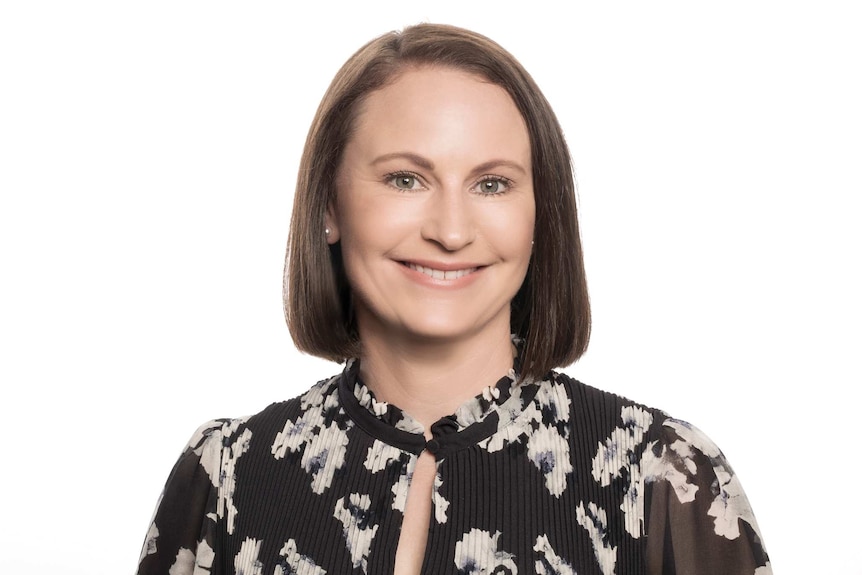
180 538
699 521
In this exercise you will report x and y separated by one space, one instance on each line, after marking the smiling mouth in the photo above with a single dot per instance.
440 274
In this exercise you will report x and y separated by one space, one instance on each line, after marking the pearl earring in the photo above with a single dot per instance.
327 231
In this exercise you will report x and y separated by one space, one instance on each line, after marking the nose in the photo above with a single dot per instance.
448 220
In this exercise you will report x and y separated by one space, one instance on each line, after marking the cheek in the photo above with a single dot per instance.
373 227
513 231
372 220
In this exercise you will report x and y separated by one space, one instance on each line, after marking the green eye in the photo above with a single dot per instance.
404 182
490 186
493 186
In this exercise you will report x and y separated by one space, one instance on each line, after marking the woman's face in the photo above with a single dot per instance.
435 207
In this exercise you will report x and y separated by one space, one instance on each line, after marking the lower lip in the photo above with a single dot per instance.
425 279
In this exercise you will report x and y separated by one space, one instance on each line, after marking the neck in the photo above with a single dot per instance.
431 379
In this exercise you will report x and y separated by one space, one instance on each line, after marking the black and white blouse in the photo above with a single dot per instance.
545 477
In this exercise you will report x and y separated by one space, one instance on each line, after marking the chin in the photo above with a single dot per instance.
442 328
434 322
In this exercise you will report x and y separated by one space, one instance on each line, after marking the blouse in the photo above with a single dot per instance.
545 477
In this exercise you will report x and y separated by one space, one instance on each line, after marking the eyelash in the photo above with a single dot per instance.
389 179
500 179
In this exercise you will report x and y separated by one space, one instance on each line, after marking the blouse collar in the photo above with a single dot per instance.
474 421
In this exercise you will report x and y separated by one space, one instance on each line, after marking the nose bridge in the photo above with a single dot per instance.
448 220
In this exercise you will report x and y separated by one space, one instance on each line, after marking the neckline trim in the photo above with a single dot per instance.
446 437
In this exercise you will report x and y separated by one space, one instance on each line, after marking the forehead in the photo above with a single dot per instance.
442 110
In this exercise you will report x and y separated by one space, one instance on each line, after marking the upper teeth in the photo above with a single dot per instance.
440 274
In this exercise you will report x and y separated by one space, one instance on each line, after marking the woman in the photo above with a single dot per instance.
435 246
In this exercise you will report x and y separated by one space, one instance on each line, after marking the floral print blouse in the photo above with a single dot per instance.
545 477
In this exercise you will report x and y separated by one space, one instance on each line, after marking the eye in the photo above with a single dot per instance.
493 185
405 182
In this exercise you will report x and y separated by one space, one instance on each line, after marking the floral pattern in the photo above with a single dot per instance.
478 553
294 563
549 563
730 507
440 502
359 529
549 452
617 459
246 561
321 438
529 474
595 521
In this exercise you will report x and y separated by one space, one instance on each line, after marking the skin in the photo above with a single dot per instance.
435 213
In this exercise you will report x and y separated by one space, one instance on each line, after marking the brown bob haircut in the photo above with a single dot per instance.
551 311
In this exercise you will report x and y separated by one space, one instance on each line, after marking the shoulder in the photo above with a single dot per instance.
223 439
206 432
605 411
199 492
695 469
698 512
186 510
208 440
663 432
617 435
323 394
321 397
679 489
663 447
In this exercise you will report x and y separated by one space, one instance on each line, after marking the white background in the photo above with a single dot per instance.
147 159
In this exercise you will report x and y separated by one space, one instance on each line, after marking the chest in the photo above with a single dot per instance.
521 503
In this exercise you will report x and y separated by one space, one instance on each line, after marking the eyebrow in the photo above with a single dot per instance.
490 165
415 158
429 165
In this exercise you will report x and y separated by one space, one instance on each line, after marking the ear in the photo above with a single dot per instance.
331 224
